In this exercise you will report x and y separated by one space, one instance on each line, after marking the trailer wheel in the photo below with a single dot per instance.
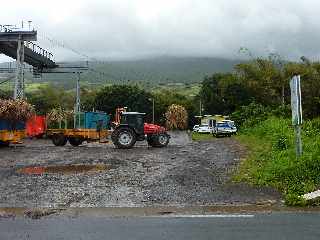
161 140
59 140
75 141
4 144
124 138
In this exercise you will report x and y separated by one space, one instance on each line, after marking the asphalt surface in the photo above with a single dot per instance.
98 175
293 226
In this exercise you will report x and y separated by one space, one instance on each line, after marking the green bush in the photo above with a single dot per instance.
250 115
272 160
295 200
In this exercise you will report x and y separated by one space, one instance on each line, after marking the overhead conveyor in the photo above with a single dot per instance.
18 44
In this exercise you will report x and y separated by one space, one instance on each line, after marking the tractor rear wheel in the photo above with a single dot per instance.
59 140
75 141
124 138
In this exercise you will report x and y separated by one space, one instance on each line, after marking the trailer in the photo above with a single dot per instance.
86 127
76 137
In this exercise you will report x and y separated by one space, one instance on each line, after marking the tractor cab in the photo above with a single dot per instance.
130 127
135 120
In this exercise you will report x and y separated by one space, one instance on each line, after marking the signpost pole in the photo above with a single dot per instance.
296 107
298 140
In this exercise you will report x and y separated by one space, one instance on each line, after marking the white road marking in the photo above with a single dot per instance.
209 216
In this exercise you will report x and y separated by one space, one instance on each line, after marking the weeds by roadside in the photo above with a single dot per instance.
201 136
272 160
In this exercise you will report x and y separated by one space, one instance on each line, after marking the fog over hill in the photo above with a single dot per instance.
161 70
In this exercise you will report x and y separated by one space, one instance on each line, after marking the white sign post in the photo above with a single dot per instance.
296 107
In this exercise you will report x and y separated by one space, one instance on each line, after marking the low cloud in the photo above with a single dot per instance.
113 29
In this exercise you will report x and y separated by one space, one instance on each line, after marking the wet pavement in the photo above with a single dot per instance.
278 225
186 173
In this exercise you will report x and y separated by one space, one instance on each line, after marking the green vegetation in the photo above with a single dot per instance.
201 137
272 160
34 87
47 97
134 98
263 81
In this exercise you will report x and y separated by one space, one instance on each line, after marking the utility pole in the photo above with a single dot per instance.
153 110
19 81
77 107
78 94
200 111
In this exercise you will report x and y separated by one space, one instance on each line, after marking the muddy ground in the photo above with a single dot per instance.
185 173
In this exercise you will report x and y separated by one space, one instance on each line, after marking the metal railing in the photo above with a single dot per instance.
32 46
39 50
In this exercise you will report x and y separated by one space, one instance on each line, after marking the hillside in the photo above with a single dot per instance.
149 72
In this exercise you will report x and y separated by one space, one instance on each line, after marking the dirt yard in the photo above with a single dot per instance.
185 173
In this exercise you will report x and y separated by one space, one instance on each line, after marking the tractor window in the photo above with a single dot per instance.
124 119
140 120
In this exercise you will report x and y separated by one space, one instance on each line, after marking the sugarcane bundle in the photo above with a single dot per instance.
15 110
59 115
176 117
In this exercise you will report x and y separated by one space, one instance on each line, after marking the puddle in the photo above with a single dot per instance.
65 169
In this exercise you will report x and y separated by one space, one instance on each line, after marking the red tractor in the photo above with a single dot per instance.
130 127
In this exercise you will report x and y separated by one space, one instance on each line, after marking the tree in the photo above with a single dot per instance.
222 94
5 94
136 99
49 97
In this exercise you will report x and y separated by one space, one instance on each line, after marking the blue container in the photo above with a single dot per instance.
96 120
7 125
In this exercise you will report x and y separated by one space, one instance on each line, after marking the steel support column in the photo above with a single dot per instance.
19 81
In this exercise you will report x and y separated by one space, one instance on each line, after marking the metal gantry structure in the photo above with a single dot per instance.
19 44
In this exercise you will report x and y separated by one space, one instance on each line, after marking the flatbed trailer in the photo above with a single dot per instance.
11 136
76 137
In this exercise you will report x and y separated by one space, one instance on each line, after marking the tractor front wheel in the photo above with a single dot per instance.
124 137
59 140
159 140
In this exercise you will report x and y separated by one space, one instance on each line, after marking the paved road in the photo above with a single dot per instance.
257 226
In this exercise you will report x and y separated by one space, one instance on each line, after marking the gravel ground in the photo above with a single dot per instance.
183 174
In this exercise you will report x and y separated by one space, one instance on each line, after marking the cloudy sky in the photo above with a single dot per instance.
126 29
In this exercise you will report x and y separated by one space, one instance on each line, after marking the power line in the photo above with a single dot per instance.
7 80
61 44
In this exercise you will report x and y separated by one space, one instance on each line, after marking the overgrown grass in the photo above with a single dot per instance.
272 160
201 136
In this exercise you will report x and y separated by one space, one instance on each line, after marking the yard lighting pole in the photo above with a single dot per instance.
153 107
153 110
